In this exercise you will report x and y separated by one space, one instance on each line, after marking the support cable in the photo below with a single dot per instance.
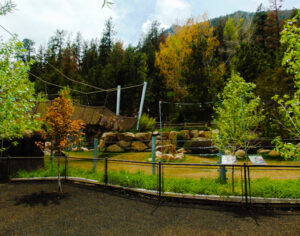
68 78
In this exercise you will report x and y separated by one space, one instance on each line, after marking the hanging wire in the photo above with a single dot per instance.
99 90
191 103
46 82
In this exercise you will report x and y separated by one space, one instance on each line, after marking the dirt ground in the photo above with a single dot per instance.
36 209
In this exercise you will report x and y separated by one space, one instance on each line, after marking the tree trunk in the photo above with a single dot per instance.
58 179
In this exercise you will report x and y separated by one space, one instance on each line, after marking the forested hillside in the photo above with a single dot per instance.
191 64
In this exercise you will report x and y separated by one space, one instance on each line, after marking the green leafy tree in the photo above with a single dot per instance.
17 95
237 116
289 106
6 7
232 34
107 3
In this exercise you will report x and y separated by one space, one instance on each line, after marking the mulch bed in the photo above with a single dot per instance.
37 209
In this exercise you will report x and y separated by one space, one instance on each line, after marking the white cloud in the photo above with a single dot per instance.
169 12
146 26
39 19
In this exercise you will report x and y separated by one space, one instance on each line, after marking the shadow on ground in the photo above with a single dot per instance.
44 198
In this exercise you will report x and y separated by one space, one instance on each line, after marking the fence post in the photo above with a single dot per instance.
105 171
51 152
222 169
95 153
249 182
244 129
161 136
159 181
245 183
153 153
7 160
232 179
65 168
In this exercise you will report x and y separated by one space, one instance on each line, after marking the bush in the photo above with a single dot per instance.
146 122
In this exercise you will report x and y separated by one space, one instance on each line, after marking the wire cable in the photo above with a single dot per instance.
68 78
46 82
190 104
75 81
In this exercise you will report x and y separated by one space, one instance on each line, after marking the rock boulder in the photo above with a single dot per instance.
124 144
114 148
179 156
204 134
185 134
181 150
138 146
101 145
109 136
173 136
240 153
273 153
143 136
168 148
194 134
128 136
263 151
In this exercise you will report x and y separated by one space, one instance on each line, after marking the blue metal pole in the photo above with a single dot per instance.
153 154
141 105
95 153
118 100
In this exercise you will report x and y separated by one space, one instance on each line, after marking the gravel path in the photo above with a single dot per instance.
36 209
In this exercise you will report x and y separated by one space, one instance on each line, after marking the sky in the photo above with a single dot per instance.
39 19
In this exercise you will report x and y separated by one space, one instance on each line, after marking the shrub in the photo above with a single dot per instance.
146 122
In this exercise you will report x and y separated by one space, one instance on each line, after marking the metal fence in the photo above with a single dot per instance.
164 178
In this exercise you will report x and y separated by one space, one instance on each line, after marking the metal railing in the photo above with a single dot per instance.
165 178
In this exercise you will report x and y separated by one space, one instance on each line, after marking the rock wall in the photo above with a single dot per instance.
194 141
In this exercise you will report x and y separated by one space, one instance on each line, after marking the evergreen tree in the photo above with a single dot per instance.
106 42
259 24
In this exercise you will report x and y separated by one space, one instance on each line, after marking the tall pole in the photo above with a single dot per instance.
153 154
118 100
95 154
141 105
51 152
244 129
161 136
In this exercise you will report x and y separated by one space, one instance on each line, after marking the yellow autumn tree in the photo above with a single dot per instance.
191 44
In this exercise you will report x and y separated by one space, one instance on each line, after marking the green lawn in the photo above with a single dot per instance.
263 187
143 156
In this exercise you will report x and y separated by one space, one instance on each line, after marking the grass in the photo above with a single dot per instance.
187 172
263 187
